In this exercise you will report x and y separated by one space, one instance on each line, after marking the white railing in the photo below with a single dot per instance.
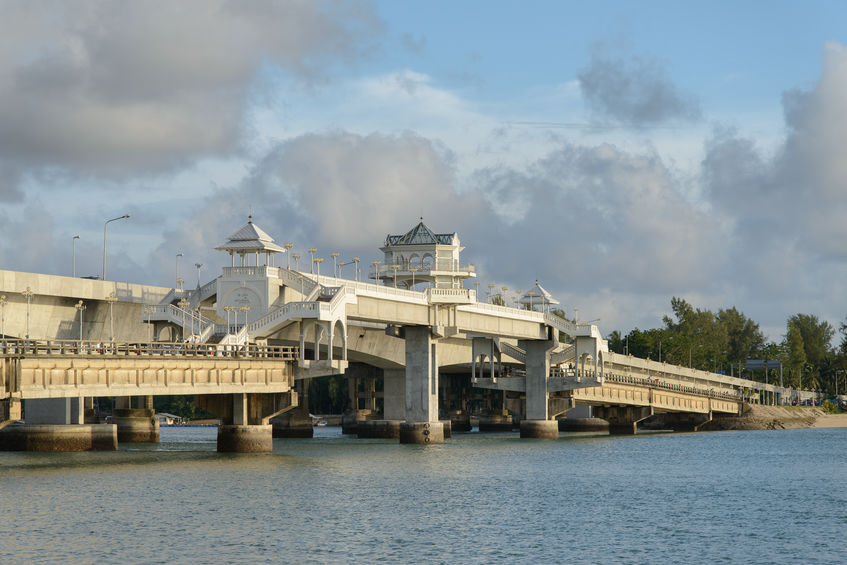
513 351
260 272
174 314
290 311
463 295
207 290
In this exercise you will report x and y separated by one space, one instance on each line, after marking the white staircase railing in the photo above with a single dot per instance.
182 318
512 351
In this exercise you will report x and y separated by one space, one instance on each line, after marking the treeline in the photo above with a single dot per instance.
723 341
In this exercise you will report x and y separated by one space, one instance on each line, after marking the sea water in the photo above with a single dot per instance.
721 497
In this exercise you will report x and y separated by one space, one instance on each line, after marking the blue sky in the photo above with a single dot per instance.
620 152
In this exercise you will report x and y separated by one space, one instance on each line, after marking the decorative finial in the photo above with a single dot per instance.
250 219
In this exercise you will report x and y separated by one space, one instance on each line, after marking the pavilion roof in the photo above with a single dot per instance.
250 238
538 296
420 235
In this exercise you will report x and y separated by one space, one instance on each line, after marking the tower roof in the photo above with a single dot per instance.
250 238
420 235
539 296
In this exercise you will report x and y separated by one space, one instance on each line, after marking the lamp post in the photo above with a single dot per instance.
376 271
28 294
356 268
199 266
76 237
178 255
296 261
491 292
335 255
312 251
395 267
106 223
245 309
288 247
413 270
3 320
318 261
80 306
111 299
182 304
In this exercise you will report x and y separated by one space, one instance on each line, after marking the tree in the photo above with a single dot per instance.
744 338
796 353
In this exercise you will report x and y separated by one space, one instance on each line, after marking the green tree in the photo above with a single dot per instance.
795 353
744 338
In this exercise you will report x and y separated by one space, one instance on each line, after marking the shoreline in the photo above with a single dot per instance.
757 417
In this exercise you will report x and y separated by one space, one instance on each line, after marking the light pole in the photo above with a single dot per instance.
356 268
296 261
318 261
199 266
335 255
3 321
28 294
312 251
376 271
245 309
80 306
395 267
106 223
182 304
288 247
491 292
111 299
76 237
413 270
176 274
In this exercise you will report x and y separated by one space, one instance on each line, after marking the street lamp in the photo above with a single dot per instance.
3 322
312 251
335 255
199 266
178 255
395 267
296 261
245 309
413 270
491 292
376 270
106 223
80 306
111 299
28 294
288 247
356 268
76 237
318 261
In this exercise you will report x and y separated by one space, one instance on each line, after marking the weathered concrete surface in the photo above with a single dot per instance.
583 425
74 437
385 429
422 432
495 422
540 429
245 439
136 425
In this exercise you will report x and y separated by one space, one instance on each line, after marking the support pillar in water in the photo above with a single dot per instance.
422 424
537 423
136 425
56 424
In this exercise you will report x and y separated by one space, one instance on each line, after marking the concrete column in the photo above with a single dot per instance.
296 422
422 424
57 424
537 423
241 436
394 394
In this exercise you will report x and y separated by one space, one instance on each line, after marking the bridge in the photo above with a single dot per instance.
240 342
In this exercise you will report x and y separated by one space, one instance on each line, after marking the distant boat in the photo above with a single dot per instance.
321 423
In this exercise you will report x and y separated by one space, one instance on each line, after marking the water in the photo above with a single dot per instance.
731 497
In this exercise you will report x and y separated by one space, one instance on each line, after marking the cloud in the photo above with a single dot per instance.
116 89
636 91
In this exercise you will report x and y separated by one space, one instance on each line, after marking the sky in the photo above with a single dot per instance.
621 153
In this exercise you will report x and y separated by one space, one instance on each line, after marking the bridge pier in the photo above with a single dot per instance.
422 424
296 423
537 423
245 418
57 424
136 425
623 420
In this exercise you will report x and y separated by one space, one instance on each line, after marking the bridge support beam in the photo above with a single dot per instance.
422 424
57 424
136 425
537 423
623 419
296 422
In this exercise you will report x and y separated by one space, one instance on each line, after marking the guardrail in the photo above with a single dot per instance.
735 395
26 348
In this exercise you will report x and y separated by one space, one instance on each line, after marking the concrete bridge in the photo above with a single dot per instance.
239 343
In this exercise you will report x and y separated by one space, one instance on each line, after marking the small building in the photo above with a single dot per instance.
422 256
166 419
